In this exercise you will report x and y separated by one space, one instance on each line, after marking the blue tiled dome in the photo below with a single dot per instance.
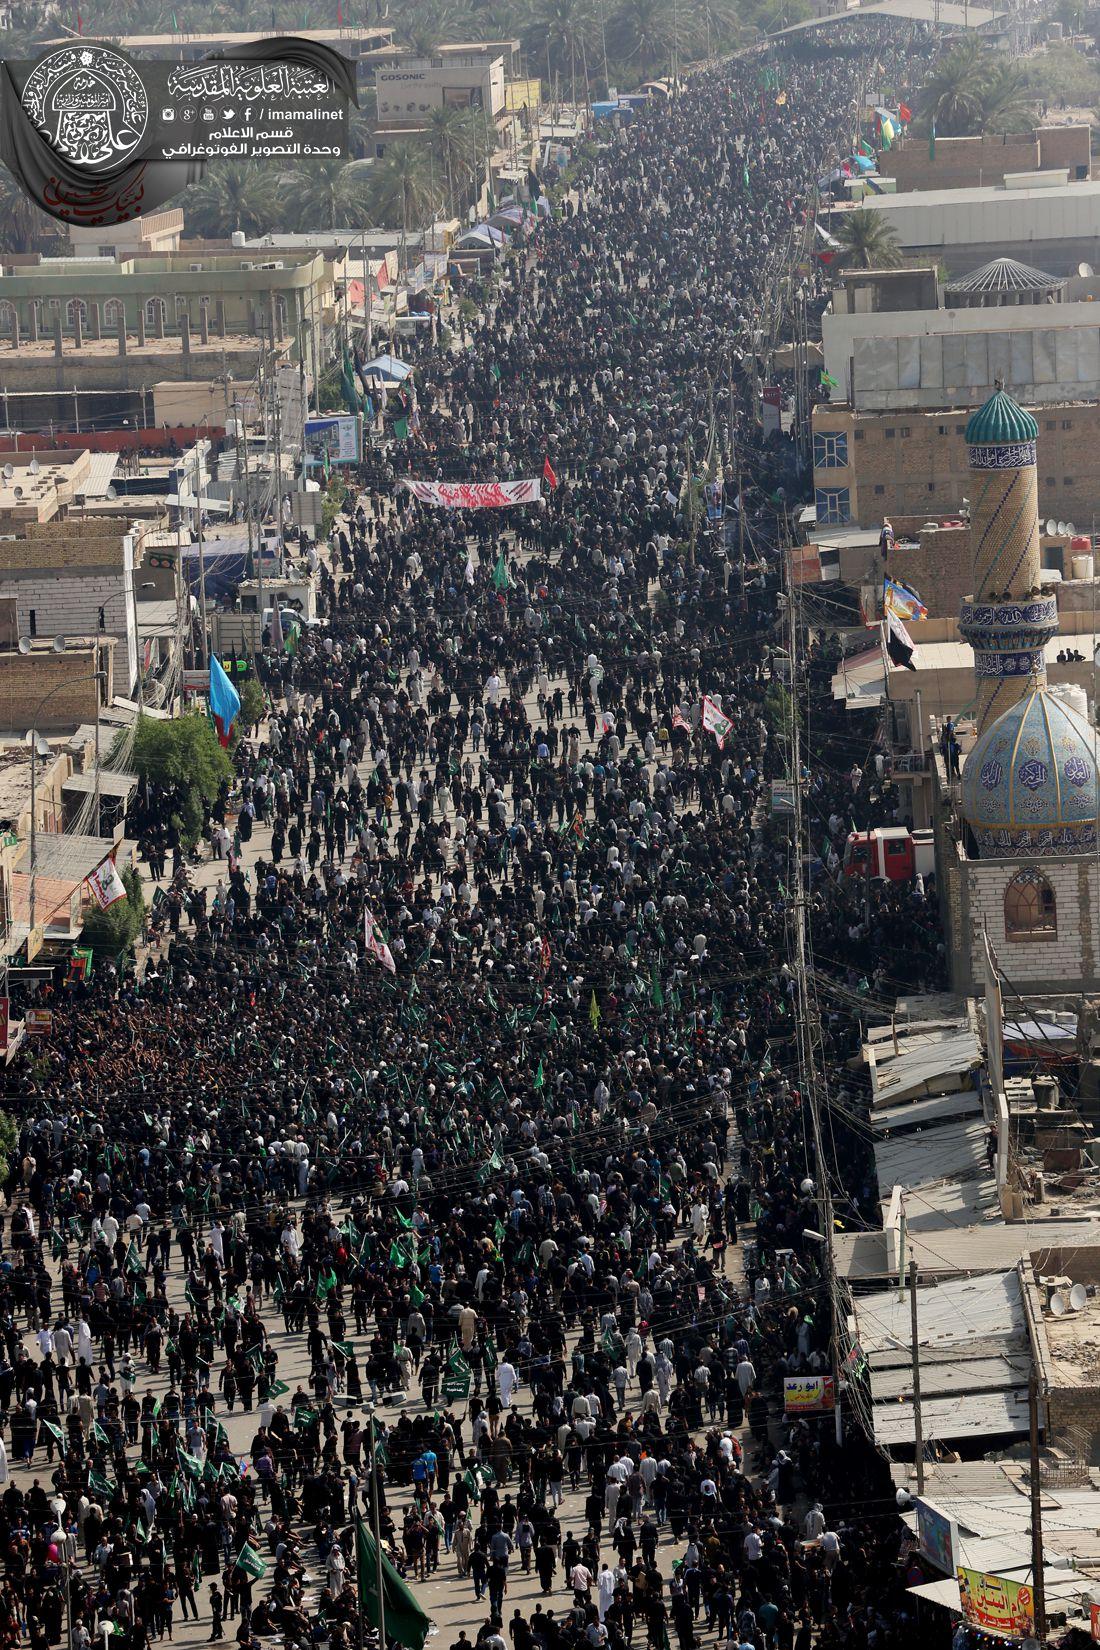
1029 784
1000 423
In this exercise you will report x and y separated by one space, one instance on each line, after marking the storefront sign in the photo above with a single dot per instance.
996 1605
808 1394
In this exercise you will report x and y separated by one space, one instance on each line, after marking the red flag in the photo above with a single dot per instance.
904 111
339 15
548 474
79 24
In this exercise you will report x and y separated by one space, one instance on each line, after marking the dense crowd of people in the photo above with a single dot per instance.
475 1096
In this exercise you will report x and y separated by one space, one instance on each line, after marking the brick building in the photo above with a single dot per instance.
973 162
873 464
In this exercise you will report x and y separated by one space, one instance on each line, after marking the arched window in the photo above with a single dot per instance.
155 311
75 307
1031 912
113 311
7 317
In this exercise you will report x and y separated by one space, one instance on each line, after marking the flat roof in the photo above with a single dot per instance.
957 1250
945 12
978 195
111 783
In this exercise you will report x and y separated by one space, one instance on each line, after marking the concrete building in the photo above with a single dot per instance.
74 577
67 678
875 464
1054 224
976 162
109 330
155 235
409 89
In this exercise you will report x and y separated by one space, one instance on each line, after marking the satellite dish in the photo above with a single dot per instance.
59 644
1057 1304
24 644
8 472
1078 1296
34 466
1052 526
1062 529
1085 270
18 492
1070 528
112 494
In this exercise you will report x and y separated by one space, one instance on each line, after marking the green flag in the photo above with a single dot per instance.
594 1013
55 1432
405 1620
249 1560
326 1283
343 1349
656 994
134 1262
278 1389
191 1464
401 429
932 142
826 380
500 573
304 1417
539 1080
101 1485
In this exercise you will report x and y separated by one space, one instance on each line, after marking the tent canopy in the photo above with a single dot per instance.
387 367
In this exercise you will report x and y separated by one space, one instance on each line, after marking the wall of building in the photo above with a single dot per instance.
28 678
973 162
1055 228
1064 963
154 232
409 91
953 357
915 464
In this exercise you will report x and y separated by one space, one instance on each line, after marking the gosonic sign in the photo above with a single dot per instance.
95 138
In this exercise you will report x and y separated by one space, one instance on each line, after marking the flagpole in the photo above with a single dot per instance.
376 1527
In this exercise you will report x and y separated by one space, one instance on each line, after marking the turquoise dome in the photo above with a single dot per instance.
1000 423
1029 784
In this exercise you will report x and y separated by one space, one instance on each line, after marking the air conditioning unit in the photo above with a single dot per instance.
278 265
248 266
196 269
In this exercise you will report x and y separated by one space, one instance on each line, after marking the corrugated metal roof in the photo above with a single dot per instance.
100 475
927 1068
941 1153
949 1378
947 1316
964 1103
979 1415
954 1250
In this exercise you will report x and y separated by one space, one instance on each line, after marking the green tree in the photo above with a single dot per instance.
253 705
9 1138
458 143
401 187
113 931
556 35
951 97
185 759
645 33
867 241
21 222
328 194
427 25
1005 103
234 195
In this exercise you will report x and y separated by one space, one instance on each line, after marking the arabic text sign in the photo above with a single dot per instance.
995 1604
337 437
96 107
808 1394
476 495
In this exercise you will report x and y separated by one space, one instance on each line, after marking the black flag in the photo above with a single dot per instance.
136 185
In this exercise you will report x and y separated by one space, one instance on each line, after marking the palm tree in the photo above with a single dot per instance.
329 194
237 194
867 241
1003 97
21 222
458 142
401 189
427 25
557 33
362 123
951 97
644 33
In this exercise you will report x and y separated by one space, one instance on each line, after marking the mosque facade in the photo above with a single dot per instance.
1016 835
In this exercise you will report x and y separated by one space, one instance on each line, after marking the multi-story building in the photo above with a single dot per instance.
911 356
107 330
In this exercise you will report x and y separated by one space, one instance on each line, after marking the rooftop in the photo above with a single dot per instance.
1005 275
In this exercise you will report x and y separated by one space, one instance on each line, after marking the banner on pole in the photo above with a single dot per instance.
476 495
996 1605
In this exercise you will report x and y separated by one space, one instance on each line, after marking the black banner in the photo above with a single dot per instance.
94 138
